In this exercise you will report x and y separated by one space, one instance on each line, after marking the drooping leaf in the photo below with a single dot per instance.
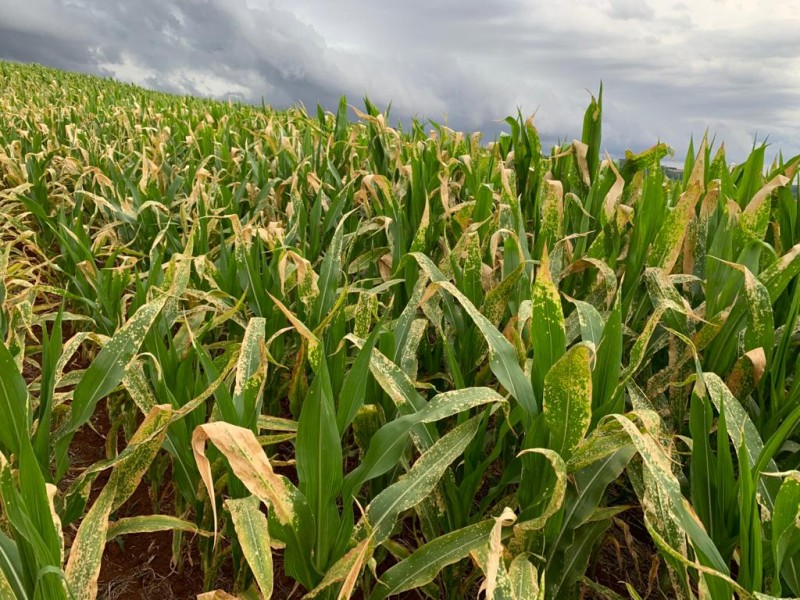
290 514
150 524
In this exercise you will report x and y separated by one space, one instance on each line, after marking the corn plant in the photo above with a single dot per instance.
368 360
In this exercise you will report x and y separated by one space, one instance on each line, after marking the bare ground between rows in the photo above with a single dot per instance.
139 565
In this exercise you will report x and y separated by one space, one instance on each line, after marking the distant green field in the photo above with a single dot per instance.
324 357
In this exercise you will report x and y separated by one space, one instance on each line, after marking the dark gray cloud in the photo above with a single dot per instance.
669 70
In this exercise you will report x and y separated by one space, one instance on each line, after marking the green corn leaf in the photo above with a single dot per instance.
607 367
11 572
367 422
15 411
107 370
669 238
470 279
639 349
252 532
502 357
419 482
425 563
34 525
582 500
496 301
38 496
702 462
401 390
755 216
760 332
403 323
319 461
663 292
592 133
580 522
354 387
330 273
567 399
151 524
576 559
743 433
177 277
606 439
251 372
387 445
751 567
246 270
777 276
785 530
548 337
590 321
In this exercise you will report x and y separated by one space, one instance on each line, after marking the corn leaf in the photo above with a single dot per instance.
567 399
252 532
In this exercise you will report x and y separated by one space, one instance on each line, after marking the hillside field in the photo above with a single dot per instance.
256 353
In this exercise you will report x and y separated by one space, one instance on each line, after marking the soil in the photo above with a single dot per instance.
138 565
627 555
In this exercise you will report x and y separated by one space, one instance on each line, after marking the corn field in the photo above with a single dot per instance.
360 361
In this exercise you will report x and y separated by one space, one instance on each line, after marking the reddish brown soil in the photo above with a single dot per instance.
136 566
139 567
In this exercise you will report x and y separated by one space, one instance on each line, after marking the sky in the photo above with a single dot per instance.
669 70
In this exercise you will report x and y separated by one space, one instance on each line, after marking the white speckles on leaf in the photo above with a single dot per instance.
567 399
253 535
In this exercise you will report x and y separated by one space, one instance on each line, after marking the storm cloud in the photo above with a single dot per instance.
669 70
